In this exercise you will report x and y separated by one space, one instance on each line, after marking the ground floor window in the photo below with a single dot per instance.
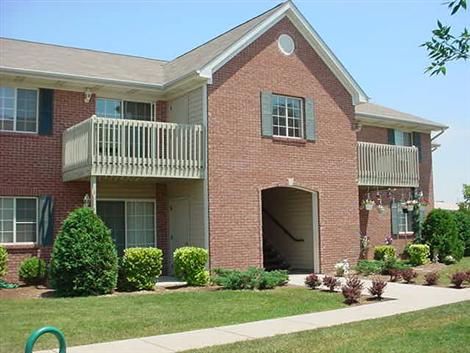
18 220
132 223
405 222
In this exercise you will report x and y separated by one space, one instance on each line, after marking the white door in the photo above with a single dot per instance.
179 224
179 110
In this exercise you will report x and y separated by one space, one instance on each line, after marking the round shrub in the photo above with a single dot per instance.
84 257
190 264
418 254
139 268
3 261
462 217
33 270
441 234
382 251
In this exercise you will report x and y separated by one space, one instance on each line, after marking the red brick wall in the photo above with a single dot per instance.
31 165
242 163
376 226
161 111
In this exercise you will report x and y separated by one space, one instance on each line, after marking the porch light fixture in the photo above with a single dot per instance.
87 95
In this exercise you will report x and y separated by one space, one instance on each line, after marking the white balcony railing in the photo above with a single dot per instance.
132 148
387 165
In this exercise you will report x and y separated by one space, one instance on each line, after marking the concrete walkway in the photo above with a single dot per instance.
408 298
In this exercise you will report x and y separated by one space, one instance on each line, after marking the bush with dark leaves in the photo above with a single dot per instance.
331 282
431 278
458 278
409 275
312 281
377 288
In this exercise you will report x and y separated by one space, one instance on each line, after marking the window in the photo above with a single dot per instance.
18 109
403 138
287 116
112 108
405 224
18 220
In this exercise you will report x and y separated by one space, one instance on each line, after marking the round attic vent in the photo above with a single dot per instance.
286 44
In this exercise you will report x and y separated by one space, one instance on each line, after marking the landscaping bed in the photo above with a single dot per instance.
112 317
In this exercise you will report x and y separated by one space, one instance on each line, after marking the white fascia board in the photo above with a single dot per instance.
388 121
357 93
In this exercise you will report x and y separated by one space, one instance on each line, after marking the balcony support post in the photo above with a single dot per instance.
93 193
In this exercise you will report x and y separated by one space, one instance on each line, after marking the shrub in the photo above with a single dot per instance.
367 267
418 254
190 265
462 218
409 275
449 260
84 258
351 295
33 270
312 281
377 288
331 282
354 282
391 263
253 278
441 234
458 278
395 275
3 261
139 268
431 278
382 251
468 275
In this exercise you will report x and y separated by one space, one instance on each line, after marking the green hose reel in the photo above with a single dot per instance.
38 333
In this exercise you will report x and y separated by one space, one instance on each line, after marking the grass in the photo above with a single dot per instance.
101 319
437 330
462 265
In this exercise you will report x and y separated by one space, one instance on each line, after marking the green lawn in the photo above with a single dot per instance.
438 330
462 265
100 319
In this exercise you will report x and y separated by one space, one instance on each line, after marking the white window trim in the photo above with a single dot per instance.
15 113
153 110
126 200
302 116
14 220
407 132
407 231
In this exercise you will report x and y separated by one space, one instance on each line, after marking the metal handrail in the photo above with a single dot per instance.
281 226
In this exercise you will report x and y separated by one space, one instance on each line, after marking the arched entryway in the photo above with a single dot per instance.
290 229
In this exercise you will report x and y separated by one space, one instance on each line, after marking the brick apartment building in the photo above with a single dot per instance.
257 145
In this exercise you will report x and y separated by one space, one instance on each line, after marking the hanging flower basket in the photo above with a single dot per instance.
409 205
369 205
410 208
381 209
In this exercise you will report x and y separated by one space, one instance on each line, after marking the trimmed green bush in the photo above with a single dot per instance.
33 270
384 250
3 261
440 232
190 265
139 269
253 278
418 254
368 267
462 217
84 257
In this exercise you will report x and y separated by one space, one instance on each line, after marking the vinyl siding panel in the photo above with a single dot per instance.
193 190
186 109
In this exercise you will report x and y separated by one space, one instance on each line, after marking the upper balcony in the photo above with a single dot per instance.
387 165
131 148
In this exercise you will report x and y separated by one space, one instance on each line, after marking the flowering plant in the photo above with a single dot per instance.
388 240
368 204
364 245
342 268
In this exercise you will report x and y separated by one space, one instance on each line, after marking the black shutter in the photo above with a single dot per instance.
46 220
391 136
46 111
417 143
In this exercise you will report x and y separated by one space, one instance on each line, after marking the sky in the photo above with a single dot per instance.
377 41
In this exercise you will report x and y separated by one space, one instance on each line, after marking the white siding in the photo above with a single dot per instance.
193 190
186 109
293 209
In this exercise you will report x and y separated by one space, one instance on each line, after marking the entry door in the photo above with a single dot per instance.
179 224
113 214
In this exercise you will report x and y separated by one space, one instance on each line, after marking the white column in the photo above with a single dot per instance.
93 193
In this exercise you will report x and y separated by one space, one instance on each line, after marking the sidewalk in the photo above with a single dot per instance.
408 298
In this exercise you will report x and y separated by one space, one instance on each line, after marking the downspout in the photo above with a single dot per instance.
206 174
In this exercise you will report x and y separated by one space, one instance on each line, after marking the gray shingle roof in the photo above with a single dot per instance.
47 58
380 112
